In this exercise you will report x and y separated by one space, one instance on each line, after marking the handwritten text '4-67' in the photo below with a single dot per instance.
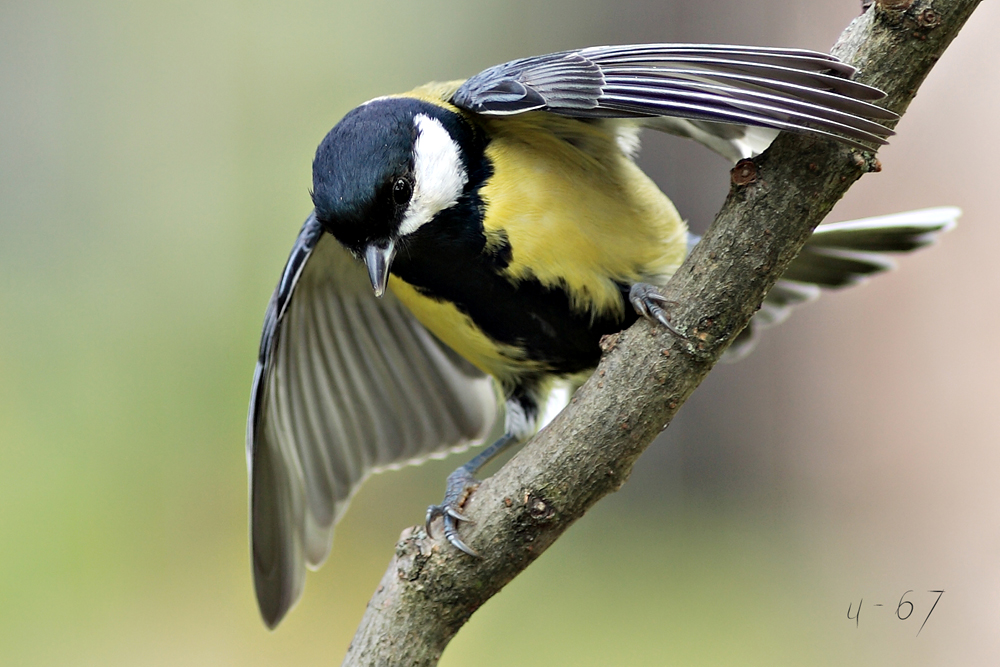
904 609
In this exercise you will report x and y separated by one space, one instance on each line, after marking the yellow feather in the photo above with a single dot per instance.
577 213
456 329
437 93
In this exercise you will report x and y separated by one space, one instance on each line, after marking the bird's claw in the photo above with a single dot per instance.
460 485
649 303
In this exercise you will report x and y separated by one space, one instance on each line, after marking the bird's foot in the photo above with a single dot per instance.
648 302
460 486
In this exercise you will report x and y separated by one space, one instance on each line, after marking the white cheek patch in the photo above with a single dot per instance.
438 174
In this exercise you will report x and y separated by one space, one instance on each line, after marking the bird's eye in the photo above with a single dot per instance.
402 190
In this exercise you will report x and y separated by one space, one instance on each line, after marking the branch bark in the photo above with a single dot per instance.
430 590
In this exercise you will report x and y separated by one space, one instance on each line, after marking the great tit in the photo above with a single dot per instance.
486 234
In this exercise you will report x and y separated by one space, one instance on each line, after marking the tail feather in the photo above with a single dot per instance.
900 232
835 267
843 254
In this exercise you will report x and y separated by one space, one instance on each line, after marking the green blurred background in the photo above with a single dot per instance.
154 168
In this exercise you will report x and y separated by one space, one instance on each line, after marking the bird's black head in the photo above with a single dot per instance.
387 168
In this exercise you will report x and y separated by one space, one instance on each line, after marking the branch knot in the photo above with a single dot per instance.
744 173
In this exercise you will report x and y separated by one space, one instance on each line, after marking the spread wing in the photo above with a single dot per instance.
842 254
783 89
345 385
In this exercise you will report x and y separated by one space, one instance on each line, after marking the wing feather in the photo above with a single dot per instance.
346 385
784 89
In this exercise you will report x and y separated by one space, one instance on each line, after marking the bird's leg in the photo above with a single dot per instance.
648 302
460 486
521 420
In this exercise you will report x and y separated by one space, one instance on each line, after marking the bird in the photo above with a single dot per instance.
469 244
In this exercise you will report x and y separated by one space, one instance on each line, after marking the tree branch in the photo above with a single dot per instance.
430 590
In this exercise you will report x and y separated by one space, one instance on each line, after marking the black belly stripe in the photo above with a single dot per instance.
447 259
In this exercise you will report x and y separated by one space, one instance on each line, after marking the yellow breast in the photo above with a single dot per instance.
577 213
576 210
457 330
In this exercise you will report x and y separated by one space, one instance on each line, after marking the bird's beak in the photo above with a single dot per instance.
379 259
